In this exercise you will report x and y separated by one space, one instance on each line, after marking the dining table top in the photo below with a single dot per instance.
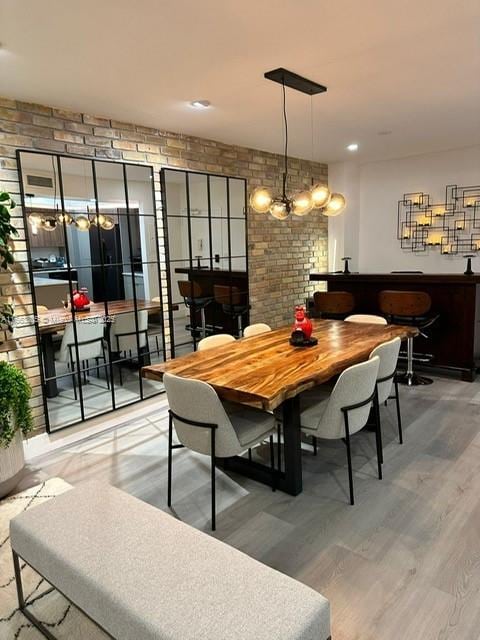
265 370
53 320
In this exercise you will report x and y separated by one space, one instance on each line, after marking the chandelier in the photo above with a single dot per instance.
280 206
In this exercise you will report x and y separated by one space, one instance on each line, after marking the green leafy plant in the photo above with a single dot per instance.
7 231
15 412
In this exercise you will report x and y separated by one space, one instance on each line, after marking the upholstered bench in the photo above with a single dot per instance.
140 574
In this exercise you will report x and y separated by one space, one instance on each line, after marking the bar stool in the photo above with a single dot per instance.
233 303
336 305
194 299
409 308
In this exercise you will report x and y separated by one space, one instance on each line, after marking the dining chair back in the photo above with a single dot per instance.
89 341
366 318
214 341
388 354
256 329
124 330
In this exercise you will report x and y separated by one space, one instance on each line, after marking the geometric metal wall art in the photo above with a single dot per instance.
453 225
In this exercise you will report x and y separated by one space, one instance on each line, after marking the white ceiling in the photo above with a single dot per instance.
411 67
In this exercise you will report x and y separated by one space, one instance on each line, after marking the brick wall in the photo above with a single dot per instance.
281 253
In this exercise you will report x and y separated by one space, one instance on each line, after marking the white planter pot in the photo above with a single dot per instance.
12 461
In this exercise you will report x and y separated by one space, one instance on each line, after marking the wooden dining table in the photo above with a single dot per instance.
52 321
265 371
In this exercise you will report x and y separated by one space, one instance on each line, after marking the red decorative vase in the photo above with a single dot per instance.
81 299
302 323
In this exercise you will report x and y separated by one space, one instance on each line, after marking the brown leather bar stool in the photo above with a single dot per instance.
233 302
334 305
195 299
410 308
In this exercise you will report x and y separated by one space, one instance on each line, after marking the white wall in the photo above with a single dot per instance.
367 230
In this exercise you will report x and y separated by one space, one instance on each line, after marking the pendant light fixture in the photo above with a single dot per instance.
262 200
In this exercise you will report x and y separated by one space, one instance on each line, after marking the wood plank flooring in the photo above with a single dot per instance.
402 564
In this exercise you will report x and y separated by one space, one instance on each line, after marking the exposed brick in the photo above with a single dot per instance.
68 136
66 114
97 122
45 121
34 108
48 145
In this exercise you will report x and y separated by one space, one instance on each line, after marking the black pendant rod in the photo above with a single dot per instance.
285 121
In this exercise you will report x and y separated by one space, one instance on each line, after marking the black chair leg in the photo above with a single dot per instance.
272 464
399 419
74 382
212 452
378 437
169 480
279 445
349 460
314 442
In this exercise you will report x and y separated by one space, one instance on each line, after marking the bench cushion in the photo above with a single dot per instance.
140 573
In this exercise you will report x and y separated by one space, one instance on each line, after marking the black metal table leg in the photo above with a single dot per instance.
292 481
48 352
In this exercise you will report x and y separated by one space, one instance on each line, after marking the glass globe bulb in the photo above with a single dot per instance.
320 195
279 210
302 203
49 223
336 205
261 200
64 217
82 223
108 223
35 219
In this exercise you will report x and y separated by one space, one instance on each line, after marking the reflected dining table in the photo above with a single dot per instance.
52 321
265 371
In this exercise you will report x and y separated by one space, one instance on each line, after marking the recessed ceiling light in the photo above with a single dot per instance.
385 132
200 104
353 146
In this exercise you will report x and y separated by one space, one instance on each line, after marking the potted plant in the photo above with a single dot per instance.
15 422
7 231
15 413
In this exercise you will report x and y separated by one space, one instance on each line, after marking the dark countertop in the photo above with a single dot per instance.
211 272
433 278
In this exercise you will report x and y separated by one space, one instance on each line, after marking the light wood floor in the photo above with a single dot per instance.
402 564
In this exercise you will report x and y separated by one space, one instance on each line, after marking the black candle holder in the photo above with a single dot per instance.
345 267
468 271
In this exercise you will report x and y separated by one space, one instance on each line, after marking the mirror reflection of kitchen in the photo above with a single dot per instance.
207 249
92 233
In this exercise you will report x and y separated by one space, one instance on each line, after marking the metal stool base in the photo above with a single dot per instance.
412 379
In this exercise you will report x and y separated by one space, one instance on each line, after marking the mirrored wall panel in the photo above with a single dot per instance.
206 232
91 227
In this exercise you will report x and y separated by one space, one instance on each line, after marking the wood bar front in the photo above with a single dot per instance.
454 340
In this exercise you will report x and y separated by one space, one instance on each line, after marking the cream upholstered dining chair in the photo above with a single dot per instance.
90 345
388 354
128 336
214 341
366 318
205 424
345 410
256 329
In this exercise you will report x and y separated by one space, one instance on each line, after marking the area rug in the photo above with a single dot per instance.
61 618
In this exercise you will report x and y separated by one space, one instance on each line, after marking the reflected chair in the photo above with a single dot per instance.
256 329
90 345
386 379
155 328
195 300
233 302
205 424
214 341
127 336
410 308
344 411
366 318
333 305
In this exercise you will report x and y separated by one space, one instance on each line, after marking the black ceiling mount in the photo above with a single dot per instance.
294 81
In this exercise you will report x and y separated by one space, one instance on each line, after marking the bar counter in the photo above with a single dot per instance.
454 340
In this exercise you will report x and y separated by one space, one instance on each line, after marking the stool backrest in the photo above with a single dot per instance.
367 318
256 329
388 354
189 289
335 302
404 303
214 341
224 294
